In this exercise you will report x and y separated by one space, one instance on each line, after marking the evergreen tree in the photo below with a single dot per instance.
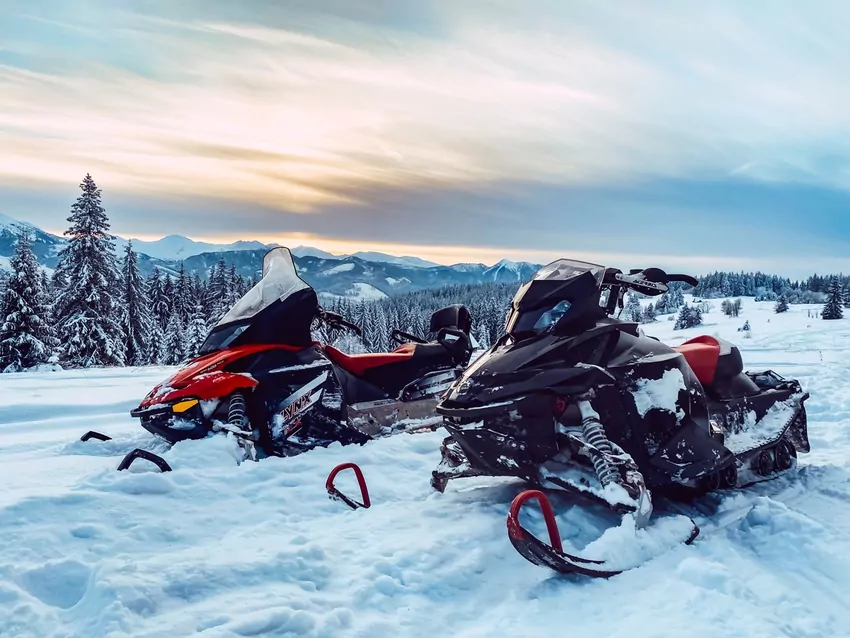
174 348
832 309
159 301
632 309
181 302
196 332
87 319
781 305
25 335
736 307
649 313
155 345
689 317
135 307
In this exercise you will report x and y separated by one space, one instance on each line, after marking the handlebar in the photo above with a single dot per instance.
338 321
649 281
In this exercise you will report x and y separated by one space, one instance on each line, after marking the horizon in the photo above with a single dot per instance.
691 137
387 250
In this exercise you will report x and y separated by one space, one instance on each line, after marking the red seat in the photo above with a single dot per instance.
702 354
357 364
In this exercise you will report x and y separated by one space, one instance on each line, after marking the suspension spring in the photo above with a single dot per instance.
594 434
236 412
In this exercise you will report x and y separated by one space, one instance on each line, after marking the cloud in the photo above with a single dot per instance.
357 119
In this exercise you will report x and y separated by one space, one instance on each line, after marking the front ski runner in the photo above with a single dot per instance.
573 399
261 378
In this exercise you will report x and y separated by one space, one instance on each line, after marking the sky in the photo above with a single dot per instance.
687 135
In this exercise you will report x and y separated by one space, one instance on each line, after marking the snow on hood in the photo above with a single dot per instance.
660 393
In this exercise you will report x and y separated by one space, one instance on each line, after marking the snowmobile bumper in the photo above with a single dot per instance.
180 421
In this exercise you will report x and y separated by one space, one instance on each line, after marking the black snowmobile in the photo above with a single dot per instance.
573 399
261 377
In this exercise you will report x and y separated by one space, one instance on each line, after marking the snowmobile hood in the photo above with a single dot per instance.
511 369
191 379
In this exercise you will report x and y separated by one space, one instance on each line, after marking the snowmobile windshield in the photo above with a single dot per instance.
279 301
558 294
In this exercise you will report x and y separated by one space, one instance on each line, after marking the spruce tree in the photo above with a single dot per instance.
25 335
180 301
160 303
689 317
649 313
832 309
174 347
136 318
781 305
87 317
633 310
155 345
196 332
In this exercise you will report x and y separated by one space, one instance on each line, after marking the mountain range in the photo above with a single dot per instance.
363 275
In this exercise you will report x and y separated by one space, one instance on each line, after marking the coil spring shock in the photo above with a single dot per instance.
236 412
594 434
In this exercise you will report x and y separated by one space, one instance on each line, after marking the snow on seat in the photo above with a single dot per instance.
702 354
358 364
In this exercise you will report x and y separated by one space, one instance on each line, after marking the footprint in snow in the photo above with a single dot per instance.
60 585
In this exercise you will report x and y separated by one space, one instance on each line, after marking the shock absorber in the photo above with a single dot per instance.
594 434
236 413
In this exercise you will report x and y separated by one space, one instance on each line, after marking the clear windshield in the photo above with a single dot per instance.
280 280
564 269
548 299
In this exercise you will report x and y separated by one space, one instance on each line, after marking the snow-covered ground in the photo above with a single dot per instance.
258 549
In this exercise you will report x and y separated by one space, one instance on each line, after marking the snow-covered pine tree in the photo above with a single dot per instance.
781 305
87 318
832 309
25 335
196 331
632 310
689 317
181 304
649 313
174 346
218 292
736 307
160 304
135 308
155 345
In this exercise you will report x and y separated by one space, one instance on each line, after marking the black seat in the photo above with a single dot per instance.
730 381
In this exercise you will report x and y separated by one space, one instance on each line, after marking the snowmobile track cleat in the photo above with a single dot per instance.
336 495
91 434
139 453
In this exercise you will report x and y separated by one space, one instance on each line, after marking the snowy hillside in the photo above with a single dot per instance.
221 550
177 247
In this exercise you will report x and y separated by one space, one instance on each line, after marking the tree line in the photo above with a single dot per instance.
98 310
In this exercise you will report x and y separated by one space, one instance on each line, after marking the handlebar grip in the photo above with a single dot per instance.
691 281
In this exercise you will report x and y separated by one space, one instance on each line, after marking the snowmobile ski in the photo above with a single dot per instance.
91 434
335 494
139 453
552 555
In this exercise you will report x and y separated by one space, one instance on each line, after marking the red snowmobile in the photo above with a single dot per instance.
262 378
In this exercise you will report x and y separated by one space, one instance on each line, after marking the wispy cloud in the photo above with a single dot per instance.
310 106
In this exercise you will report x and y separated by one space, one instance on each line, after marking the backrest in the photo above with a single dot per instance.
454 316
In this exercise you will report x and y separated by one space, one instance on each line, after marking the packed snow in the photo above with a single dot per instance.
219 549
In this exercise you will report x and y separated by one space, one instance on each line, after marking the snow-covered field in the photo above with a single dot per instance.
217 549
